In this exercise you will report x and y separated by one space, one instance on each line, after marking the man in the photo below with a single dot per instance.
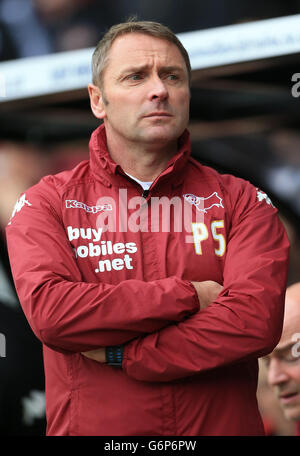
148 328
284 362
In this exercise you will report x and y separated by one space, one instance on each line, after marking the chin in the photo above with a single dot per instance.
292 415
163 136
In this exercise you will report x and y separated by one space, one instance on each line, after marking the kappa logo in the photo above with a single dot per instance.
203 204
22 201
261 196
73 204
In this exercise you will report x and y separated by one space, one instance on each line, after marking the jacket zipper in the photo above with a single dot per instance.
145 193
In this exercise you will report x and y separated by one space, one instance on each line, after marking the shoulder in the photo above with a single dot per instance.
228 182
53 185
67 178
209 173
46 195
240 194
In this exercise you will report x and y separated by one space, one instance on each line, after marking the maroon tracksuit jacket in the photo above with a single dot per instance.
95 265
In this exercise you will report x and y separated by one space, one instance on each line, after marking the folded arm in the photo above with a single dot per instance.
69 314
245 321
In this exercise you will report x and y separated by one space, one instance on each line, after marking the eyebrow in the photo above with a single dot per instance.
163 69
278 351
284 348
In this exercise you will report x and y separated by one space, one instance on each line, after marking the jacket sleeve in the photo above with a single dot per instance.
68 314
245 320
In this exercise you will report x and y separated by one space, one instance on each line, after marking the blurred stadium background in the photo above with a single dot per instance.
245 120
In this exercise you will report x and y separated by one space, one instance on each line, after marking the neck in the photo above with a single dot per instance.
145 162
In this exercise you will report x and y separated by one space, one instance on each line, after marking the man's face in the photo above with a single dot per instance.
284 365
145 85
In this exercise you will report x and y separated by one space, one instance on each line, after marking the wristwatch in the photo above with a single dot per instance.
114 355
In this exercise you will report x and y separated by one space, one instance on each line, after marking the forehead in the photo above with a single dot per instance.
290 328
139 48
291 319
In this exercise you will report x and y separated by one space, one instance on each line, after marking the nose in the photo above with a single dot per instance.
158 89
276 373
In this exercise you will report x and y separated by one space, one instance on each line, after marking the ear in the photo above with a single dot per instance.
96 101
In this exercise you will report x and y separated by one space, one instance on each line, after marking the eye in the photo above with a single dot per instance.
135 77
290 358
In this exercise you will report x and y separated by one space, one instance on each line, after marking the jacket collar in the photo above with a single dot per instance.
109 172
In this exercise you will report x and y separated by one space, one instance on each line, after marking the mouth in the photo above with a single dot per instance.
159 114
288 398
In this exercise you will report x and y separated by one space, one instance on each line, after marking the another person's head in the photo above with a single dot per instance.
284 362
141 81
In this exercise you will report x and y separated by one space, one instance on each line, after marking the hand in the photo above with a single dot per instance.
96 355
207 291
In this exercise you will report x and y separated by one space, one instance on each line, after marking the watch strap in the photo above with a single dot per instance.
114 355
